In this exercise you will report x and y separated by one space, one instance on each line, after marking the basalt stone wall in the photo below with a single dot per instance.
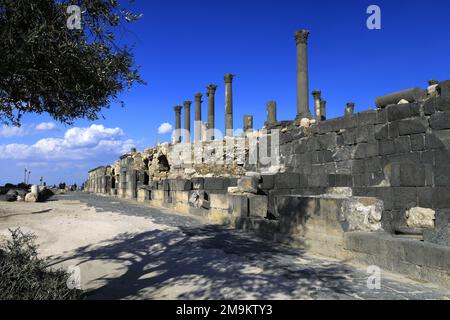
399 154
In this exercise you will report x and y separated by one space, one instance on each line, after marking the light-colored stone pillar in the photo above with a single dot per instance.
211 109
301 38
229 105
317 105
198 117
187 121
248 123
177 137
350 109
271 113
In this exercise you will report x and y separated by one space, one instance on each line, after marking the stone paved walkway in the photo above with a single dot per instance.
193 260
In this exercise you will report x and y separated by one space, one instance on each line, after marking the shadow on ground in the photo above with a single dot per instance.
213 263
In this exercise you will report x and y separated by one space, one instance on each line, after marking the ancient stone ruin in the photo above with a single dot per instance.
373 186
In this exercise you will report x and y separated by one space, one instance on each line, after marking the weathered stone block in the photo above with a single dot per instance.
239 205
417 142
258 206
402 144
412 176
381 132
442 176
420 218
441 198
268 182
181 185
386 147
248 184
404 197
215 184
287 181
412 126
440 120
366 118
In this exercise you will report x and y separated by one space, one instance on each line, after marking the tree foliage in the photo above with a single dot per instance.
47 67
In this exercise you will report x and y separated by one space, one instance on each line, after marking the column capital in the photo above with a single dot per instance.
271 104
211 89
316 94
350 104
301 36
187 104
178 109
198 96
229 78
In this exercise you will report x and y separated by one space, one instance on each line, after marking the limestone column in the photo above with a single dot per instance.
248 123
198 117
301 38
229 105
271 113
177 124
317 101
323 110
211 109
187 121
350 109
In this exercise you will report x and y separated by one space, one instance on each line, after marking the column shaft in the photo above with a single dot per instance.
229 105
187 121
177 134
303 111
211 110
198 117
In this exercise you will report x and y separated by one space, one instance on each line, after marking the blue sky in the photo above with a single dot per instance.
183 46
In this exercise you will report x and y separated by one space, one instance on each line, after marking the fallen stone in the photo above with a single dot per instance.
420 218
31 197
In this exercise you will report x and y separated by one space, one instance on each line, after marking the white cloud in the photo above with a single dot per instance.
78 143
165 128
46 126
8 132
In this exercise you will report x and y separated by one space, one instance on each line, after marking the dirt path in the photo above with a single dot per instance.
130 251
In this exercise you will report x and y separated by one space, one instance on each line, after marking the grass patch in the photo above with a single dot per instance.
24 276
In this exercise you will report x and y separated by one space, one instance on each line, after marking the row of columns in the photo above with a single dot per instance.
303 111
211 92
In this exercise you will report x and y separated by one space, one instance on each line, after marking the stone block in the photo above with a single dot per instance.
412 126
386 147
404 197
433 142
417 142
181 185
412 176
422 218
441 198
258 206
442 176
367 118
440 120
248 184
402 144
287 181
381 132
239 205
268 182
219 201
215 184
31 197
403 111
